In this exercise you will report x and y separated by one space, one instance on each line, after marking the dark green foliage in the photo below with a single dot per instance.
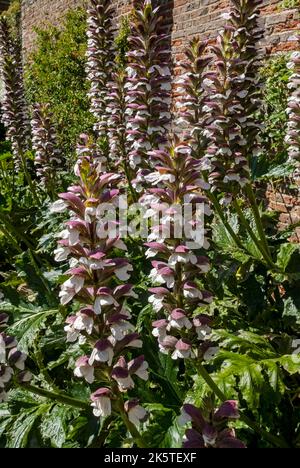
55 73
276 76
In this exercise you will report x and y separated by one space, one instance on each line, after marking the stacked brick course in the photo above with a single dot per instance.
185 19
189 18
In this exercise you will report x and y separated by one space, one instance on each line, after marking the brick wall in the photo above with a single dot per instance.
188 17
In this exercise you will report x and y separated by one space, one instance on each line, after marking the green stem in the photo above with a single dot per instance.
130 426
59 397
13 240
14 229
267 257
277 441
29 180
251 196
221 215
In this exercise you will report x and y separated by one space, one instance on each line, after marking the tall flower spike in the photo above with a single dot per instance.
14 111
211 431
192 96
100 59
12 361
98 282
47 155
234 99
293 133
148 86
119 148
177 208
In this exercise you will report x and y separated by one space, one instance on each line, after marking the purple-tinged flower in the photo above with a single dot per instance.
136 413
101 402
210 430
103 352
139 367
84 369
17 359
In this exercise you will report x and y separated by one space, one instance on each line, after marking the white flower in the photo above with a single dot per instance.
120 329
182 257
5 375
103 300
84 370
210 353
104 354
102 407
2 350
122 273
157 302
142 371
136 414
3 396
58 207
61 254
84 322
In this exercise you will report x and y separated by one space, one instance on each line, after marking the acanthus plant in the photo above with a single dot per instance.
192 96
48 158
231 98
100 61
181 328
148 87
14 109
293 133
98 285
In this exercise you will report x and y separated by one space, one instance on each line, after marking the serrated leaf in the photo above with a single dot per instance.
29 326
22 426
54 425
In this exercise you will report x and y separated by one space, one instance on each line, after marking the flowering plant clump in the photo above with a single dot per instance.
148 86
177 268
192 95
293 135
234 99
211 431
172 318
98 283
14 111
47 154
100 60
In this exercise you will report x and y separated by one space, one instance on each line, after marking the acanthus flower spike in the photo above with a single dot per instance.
178 253
148 87
14 108
293 110
102 321
234 98
48 159
192 96
100 60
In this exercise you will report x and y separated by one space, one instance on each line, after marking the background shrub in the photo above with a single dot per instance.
55 73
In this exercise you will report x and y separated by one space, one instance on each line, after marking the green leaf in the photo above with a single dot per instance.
29 326
55 425
285 255
291 363
19 432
